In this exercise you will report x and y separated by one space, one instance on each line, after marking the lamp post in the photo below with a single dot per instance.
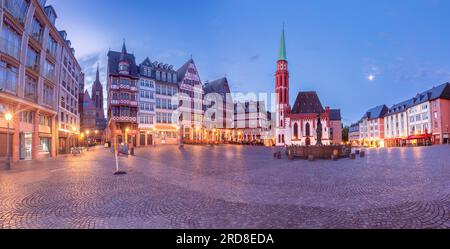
8 117
87 139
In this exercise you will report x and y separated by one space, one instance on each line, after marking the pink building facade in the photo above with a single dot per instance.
440 111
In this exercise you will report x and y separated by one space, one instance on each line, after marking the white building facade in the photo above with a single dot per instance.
147 104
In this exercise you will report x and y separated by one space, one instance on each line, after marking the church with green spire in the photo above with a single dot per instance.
282 55
300 125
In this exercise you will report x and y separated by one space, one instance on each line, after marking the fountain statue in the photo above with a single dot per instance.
319 130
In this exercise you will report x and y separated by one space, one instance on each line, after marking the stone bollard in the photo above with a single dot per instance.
362 154
353 156
311 158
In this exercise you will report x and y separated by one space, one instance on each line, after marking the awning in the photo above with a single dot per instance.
165 128
422 136
47 135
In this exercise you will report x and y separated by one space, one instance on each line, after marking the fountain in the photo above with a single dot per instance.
318 151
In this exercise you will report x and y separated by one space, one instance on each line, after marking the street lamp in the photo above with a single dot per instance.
126 135
8 117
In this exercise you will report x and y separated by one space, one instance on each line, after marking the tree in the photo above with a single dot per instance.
345 132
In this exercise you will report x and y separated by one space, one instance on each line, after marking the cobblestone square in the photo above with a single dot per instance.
229 187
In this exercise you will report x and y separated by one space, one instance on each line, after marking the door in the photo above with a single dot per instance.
25 146
149 139
163 137
142 139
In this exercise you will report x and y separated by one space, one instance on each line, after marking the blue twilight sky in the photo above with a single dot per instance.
332 46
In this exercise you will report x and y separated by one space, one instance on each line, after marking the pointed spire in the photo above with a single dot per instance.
97 76
124 48
282 56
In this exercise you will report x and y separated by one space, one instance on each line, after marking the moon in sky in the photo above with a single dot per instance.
371 77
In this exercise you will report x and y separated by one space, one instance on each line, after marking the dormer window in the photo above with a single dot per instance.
124 68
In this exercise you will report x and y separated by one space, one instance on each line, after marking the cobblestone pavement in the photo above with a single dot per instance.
229 187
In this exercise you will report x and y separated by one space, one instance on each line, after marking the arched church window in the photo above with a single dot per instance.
308 130
295 130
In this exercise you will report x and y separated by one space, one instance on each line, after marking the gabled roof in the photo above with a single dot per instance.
307 102
376 112
181 72
219 86
87 101
50 8
441 91
114 59
335 115
354 127
400 107
147 62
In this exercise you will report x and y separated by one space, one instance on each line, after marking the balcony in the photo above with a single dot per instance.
124 102
124 119
124 87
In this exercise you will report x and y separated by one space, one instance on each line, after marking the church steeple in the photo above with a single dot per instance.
124 48
282 86
124 65
97 76
282 56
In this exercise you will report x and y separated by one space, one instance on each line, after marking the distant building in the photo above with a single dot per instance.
89 115
93 121
123 77
353 134
428 116
251 123
371 127
191 102
335 126
298 126
421 120
219 111
166 83
98 101
396 124
440 114
146 97
70 79
39 82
